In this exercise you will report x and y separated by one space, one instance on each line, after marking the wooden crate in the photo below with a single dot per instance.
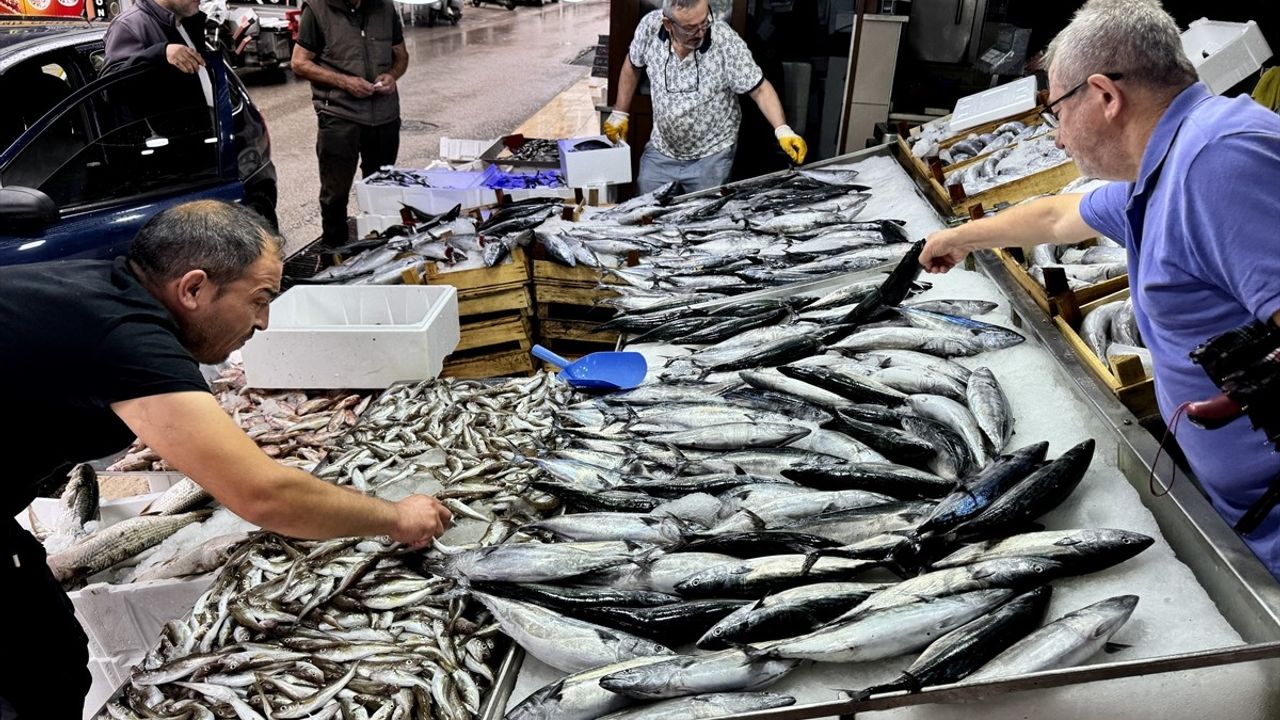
487 365
501 298
925 171
512 330
1058 294
513 272
576 331
1125 377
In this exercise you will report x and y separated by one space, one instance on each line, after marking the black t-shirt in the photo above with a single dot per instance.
311 38
75 337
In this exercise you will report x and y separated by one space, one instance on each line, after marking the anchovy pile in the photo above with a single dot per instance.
454 439
1083 266
1008 164
1112 329
296 428
537 150
294 629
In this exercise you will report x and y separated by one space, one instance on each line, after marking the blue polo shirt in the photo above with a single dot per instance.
1202 228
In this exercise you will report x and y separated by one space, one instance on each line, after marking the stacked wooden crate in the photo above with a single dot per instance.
569 307
495 309
932 174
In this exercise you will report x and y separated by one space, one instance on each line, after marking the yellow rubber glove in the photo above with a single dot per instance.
792 144
616 126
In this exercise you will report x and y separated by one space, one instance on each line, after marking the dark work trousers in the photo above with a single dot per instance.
339 143
46 652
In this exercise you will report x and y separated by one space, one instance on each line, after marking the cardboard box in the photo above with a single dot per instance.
360 336
588 168
1224 53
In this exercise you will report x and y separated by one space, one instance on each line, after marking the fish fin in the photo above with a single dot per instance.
810 559
1113 647
756 521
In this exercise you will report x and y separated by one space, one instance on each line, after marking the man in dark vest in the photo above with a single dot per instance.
353 53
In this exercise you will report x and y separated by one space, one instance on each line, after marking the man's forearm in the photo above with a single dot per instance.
766 98
297 504
1054 219
399 61
315 72
628 79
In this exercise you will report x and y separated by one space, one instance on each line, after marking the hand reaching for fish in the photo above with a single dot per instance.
939 254
420 519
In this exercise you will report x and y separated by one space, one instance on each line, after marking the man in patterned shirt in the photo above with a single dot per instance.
697 67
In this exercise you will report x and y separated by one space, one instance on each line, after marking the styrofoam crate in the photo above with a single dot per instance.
112 511
369 223
588 168
378 199
449 188
359 336
459 150
1001 101
125 620
1224 53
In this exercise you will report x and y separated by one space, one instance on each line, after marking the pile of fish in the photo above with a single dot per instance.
974 145
454 439
384 258
1008 164
294 629
79 546
537 150
927 143
353 628
295 427
1112 330
1082 265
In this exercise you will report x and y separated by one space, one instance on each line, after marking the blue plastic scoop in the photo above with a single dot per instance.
599 370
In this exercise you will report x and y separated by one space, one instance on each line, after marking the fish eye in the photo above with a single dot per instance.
1125 540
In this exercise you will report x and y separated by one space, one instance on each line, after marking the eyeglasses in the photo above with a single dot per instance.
1051 117
667 73
686 31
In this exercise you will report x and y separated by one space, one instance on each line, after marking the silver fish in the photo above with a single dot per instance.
990 407
1066 642
724 671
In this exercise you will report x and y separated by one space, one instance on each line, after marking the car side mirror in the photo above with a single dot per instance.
24 209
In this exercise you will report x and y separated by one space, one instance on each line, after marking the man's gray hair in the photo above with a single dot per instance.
1134 37
669 6
220 238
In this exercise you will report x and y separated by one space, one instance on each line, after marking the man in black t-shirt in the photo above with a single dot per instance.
96 352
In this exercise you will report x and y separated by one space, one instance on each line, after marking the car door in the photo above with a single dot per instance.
113 154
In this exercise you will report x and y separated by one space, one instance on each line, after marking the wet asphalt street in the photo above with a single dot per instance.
478 80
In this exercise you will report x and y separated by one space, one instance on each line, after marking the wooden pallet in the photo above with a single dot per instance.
1125 377
1059 293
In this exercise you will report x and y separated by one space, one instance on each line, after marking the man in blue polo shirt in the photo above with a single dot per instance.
1196 200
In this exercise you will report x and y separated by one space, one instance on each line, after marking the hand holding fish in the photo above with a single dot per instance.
420 519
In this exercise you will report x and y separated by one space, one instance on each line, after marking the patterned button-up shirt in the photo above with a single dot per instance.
695 103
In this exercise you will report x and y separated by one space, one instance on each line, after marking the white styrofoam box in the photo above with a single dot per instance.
125 620
463 150
367 223
1224 53
1001 101
108 675
359 336
378 199
448 188
585 168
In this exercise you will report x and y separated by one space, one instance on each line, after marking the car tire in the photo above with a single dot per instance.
263 201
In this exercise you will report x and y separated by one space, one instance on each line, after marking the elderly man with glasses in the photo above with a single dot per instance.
1194 198
697 67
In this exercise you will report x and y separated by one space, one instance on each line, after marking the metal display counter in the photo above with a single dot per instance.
1226 571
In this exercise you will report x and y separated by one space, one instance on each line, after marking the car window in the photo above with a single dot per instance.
31 89
144 141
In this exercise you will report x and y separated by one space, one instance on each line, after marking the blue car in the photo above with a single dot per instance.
86 159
